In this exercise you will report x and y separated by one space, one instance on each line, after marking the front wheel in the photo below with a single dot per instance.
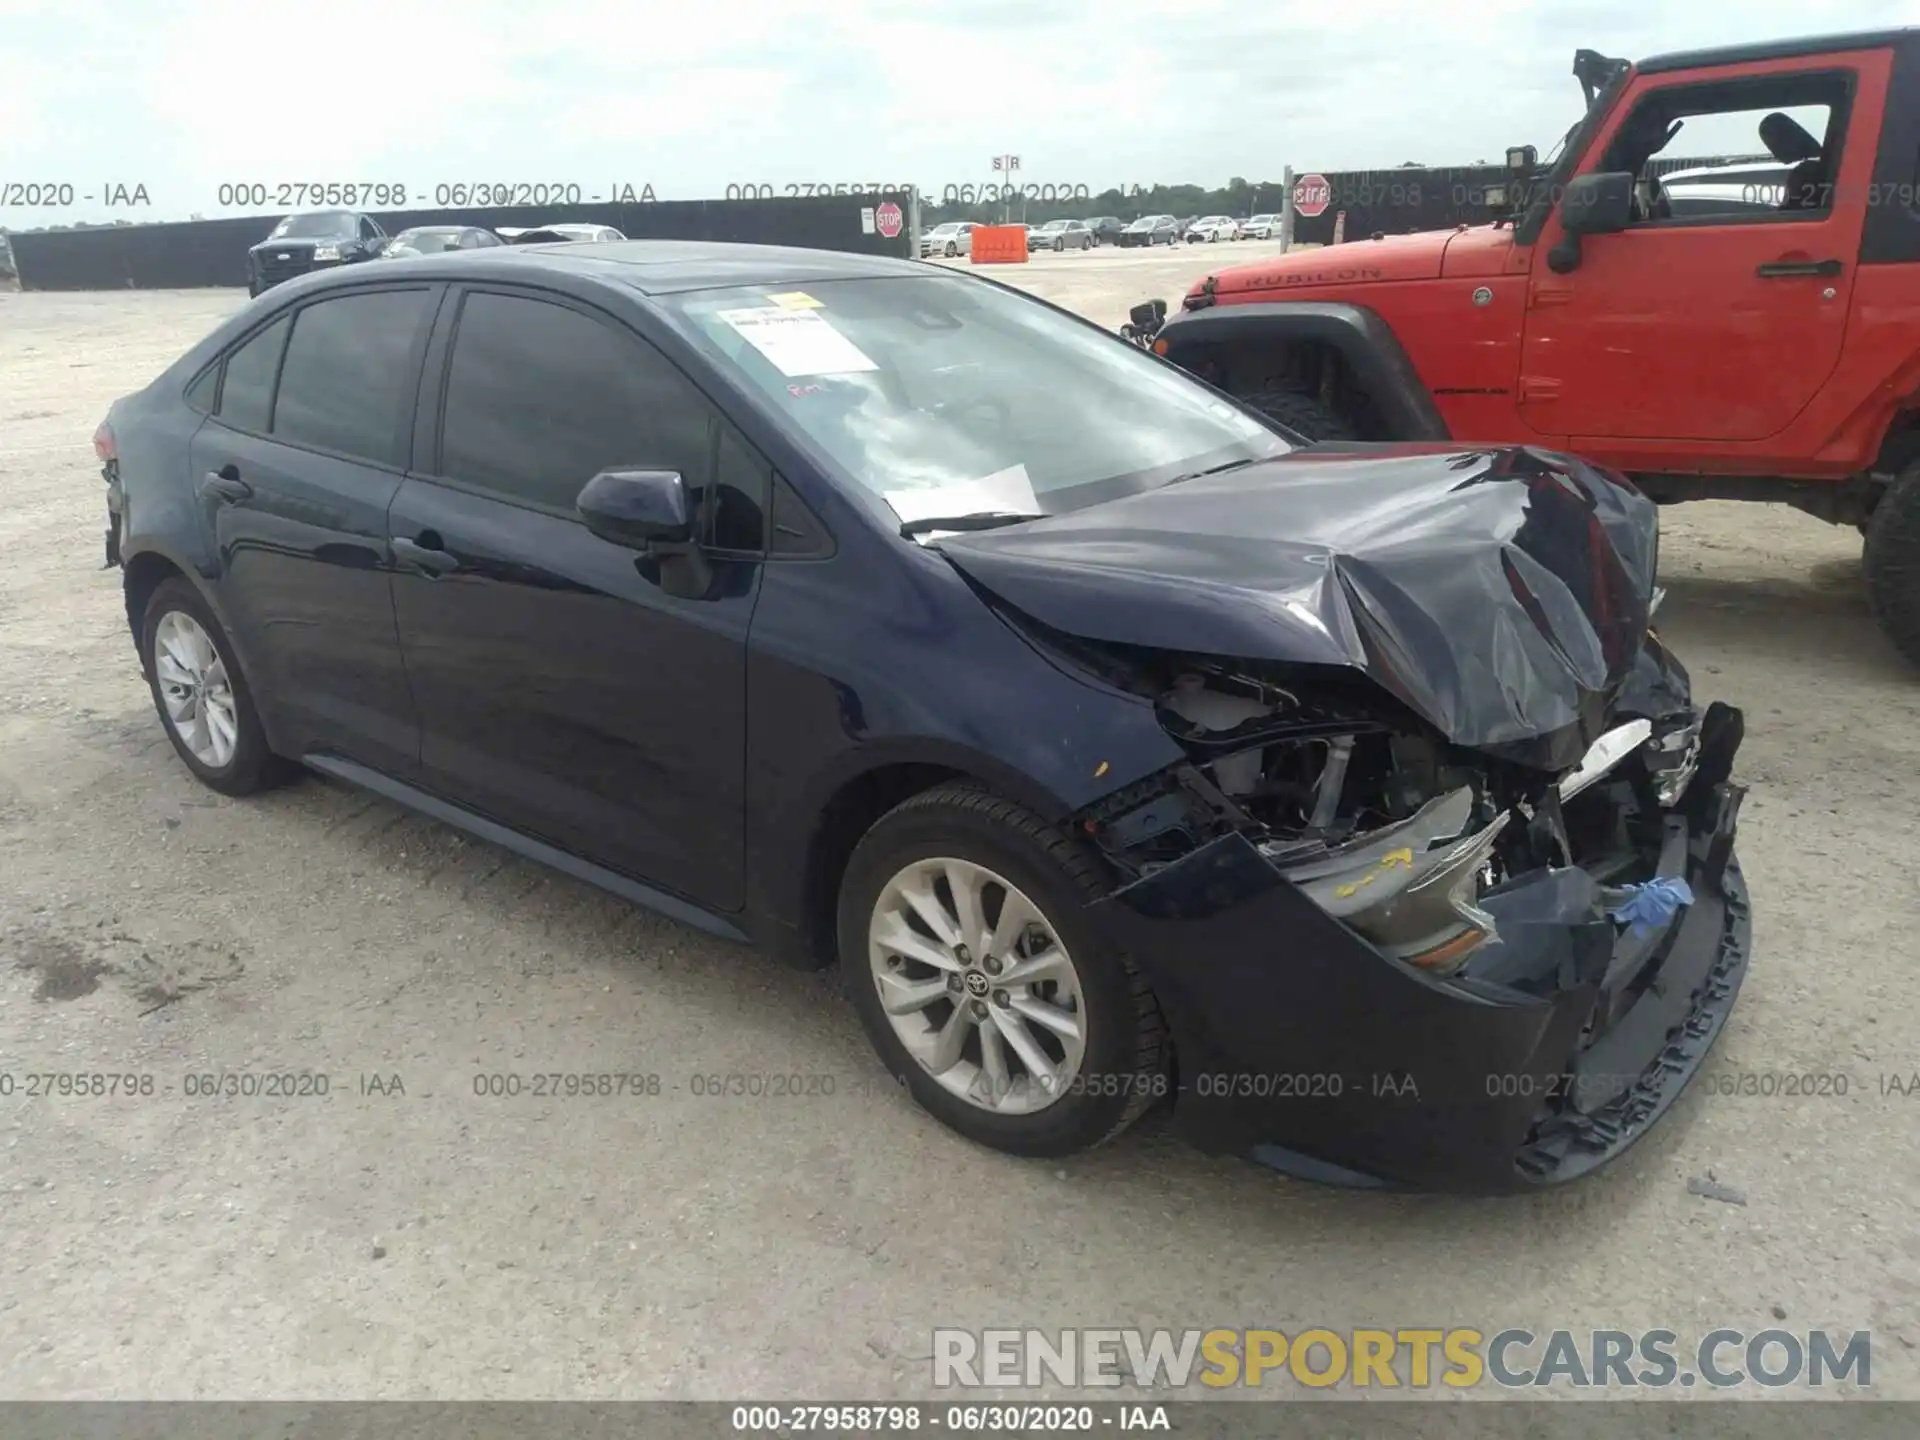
1892 563
952 250
984 984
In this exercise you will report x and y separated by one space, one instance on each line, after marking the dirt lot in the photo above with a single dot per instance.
409 1238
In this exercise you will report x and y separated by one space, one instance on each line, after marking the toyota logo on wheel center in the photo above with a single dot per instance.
1311 195
976 983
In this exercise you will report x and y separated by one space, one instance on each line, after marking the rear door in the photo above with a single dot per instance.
307 445
1716 324
561 690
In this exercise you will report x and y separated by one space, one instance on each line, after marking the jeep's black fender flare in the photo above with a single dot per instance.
1364 341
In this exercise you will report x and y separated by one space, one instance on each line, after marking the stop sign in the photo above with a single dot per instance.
886 218
1311 195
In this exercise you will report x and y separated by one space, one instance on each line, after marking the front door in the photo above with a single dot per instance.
561 690
1695 323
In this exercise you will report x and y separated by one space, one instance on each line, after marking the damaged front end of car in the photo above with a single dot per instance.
1391 959
1441 891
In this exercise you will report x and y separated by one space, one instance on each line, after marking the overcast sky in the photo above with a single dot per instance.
182 95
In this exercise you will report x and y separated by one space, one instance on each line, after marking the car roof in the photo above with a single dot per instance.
662 267
1778 49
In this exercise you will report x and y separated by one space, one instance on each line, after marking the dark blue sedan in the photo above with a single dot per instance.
1121 750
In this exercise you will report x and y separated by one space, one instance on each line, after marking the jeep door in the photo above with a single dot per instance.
1715 326
561 690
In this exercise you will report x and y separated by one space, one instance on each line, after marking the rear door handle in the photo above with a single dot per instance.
429 558
225 484
1780 269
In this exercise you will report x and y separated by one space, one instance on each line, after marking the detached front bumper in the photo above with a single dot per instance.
1547 1055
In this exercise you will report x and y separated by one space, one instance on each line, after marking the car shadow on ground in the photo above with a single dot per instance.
1818 619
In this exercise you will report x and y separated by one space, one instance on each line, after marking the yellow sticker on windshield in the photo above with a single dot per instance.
796 300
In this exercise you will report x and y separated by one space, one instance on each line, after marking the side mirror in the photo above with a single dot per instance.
637 508
1148 314
1598 204
648 511
1593 205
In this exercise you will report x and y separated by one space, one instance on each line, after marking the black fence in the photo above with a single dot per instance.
1410 199
198 253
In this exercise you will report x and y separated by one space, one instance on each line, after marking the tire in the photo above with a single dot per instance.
249 766
1301 413
1123 1065
952 250
253 290
1059 247
1892 563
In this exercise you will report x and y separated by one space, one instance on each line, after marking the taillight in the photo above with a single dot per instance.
103 446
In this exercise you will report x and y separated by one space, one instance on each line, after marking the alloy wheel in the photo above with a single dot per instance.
977 985
195 689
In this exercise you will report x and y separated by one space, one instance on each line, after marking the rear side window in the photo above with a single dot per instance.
246 394
350 375
541 398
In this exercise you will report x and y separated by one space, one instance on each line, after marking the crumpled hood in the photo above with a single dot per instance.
1394 257
1501 593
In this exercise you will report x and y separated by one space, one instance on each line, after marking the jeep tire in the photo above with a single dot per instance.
1302 413
1892 562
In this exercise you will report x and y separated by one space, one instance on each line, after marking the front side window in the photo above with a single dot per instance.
541 398
349 378
941 392
1735 150
246 394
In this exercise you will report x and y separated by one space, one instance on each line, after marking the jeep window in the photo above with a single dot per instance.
925 383
1749 149
325 226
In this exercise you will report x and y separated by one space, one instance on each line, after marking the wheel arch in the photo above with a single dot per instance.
1363 343
848 805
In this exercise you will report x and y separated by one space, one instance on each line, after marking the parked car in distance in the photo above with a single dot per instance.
1211 228
950 237
553 234
314 240
931 628
437 239
1106 229
1750 187
1259 227
1151 230
1060 235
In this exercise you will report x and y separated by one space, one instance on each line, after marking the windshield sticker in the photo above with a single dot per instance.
1006 491
796 300
798 342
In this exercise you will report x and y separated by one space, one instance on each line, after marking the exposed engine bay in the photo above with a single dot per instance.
1399 834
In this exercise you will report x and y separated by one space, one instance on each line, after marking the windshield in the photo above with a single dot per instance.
329 226
952 227
429 242
948 397
1054 225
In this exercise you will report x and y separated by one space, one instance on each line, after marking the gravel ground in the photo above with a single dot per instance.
403 1237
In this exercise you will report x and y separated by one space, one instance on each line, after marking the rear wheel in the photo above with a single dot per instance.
1302 413
983 983
201 695
1892 562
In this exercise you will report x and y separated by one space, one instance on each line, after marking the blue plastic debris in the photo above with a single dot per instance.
1653 905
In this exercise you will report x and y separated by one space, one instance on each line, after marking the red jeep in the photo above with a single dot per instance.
1750 331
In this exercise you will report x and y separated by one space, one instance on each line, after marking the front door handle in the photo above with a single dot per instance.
225 484
429 558
1780 269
